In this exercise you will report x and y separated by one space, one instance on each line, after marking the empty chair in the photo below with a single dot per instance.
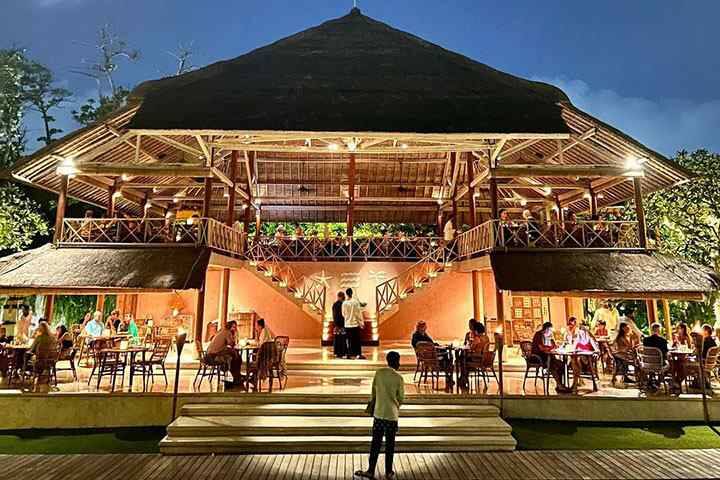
652 368
66 355
710 365
156 359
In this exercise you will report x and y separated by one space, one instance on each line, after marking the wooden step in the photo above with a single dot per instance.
213 426
331 444
334 410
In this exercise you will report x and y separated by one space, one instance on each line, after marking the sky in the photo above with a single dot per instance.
648 67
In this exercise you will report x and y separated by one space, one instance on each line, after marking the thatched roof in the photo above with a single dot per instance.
356 74
624 274
88 269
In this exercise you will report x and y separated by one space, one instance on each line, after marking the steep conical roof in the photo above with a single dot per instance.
351 74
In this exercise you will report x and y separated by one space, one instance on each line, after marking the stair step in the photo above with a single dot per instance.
332 444
334 410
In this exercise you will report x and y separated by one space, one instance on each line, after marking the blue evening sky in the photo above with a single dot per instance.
649 67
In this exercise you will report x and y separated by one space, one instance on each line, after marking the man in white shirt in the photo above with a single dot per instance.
354 323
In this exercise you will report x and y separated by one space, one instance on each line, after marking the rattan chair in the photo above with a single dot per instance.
710 365
430 364
66 355
652 367
481 365
533 362
42 364
266 366
209 367
156 360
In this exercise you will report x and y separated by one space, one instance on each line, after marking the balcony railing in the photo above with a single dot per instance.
348 248
531 235
155 232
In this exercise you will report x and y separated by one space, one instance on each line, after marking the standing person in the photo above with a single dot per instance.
339 336
354 323
24 323
388 393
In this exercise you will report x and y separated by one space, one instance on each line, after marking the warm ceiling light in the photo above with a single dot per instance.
333 147
404 146
523 202
169 214
352 145
66 167
547 191
634 165
226 192
125 177
117 194
587 196
600 196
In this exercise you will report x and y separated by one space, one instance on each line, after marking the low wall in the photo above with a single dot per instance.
25 411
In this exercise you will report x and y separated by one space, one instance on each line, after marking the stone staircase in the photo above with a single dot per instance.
331 424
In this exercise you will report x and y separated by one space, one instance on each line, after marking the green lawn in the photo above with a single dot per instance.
549 435
116 440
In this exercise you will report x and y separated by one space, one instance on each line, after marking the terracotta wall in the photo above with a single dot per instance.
158 304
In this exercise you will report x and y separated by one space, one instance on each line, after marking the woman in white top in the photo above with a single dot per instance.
264 332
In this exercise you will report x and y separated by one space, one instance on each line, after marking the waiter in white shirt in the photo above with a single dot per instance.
354 323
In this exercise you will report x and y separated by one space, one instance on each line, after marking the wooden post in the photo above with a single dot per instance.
455 215
500 309
230 219
651 311
439 222
61 204
560 214
207 197
258 221
100 303
224 296
640 212
494 212
477 293
471 189
593 203
111 201
49 308
351 196
200 315
668 320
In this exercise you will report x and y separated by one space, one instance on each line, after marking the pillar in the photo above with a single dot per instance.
593 203
207 197
477 294
439 222
668 320
500 306
100 303
224 296
49 308
640 212
230 217
558 206
200 314
651 310
62 202
494 211
351 196
471 189
258 221
111 201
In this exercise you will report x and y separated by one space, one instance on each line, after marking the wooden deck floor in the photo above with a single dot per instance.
525 465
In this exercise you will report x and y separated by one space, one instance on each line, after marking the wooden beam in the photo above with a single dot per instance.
61 204
180 146
200 315
112 200
229 182
175 170
495 214
205 150
112 129
496 152
49 308
207 197
512 171
573 143
471 189
640 212
668 319
593 202
230 219
224 295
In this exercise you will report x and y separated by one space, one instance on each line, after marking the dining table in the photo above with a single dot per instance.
129 353
249 349
567 356
678 359
20 355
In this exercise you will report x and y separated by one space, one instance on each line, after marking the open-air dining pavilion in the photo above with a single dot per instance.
534 208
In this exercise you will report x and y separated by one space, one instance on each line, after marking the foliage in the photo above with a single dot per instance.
92 111
70 309
41 95
21 219
12 134
362 230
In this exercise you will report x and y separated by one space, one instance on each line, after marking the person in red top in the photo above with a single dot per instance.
542 344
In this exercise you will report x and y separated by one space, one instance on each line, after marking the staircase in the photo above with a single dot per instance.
393 291
331 424
301 289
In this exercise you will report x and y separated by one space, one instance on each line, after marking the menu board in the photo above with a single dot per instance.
528 314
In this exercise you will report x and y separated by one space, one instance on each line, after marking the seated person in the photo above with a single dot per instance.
601 329
94 328
480 341
471 332
623 352
682 338
571 331
656 341
113 321
708 341
584 342
64 337
264 334
542 344
44 342
222 349
3 335
420 334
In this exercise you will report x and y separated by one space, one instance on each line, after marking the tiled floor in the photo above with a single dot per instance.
314 370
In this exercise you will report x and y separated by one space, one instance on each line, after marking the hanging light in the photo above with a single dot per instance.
117 194
66 167
333 147
125 177
634 166
547 191
226 192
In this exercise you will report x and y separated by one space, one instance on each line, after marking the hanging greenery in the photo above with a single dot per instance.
70 309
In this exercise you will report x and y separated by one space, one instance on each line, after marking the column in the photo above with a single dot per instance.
439 222
558 206
200 314
62 202
593 203
494 211
49 308
471 189
230 218
207 197
478 299
224 296
351 196
651 310
640 212
668 319
100 303
111 201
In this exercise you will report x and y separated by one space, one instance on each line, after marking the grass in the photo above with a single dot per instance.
551 435
62 441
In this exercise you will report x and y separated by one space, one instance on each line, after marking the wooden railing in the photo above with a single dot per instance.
310 291
348 248
531 235
391 291
152 232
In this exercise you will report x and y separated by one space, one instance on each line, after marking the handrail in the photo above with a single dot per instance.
533 235
303 287
391 291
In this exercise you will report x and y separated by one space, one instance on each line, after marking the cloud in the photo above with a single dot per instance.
666 125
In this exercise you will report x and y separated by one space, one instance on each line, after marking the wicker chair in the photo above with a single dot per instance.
111 364
66 355
209 368
42 364
158 355
710 365
533 362
266 365
652 367
430 364
478 365
283 345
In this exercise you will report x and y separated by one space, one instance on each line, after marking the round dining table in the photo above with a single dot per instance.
567 356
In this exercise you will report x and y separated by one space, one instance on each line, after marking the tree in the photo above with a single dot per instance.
183 58
21 219
40 94
12 133
111 48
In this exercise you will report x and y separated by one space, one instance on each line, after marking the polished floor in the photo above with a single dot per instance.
314 370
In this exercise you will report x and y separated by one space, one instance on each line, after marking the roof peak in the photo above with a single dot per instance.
355 11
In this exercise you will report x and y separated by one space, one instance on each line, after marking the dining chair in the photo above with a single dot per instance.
652 367
533 362
156 360
430 364
209 368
